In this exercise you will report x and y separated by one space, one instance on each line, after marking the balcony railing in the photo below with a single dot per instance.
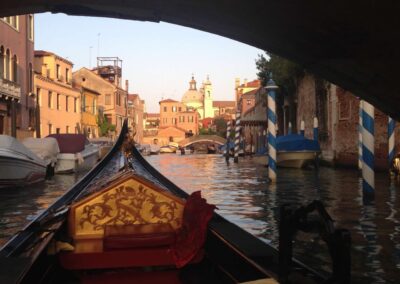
10 88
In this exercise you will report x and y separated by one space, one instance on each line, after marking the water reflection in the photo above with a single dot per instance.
18 206
244 196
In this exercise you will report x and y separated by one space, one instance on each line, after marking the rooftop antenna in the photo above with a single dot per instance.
98 44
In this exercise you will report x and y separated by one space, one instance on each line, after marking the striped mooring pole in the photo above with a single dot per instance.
302 127
289 128
315 129
237 137
391 125
368 141
271 88
360 162
228 135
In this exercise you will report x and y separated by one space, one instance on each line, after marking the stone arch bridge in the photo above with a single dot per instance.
202 138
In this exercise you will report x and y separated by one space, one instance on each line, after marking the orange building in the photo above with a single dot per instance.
176 114
241 89
58 100
112 101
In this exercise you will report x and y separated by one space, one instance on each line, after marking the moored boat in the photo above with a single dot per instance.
46 149
154 149
76 153
167 149
18 165
293 151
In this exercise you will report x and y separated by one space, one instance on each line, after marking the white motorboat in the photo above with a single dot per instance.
76 153
18 165
46 149
154 149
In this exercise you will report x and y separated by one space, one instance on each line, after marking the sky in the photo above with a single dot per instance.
158 58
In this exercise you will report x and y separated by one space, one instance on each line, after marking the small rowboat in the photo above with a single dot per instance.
91 235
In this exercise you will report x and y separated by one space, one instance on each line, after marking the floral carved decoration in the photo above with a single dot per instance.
129 205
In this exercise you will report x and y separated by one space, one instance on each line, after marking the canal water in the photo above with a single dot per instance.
244 196
18 206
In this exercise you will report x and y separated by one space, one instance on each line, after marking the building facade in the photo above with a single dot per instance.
59 102
17 104
90 112
112 100
177 114
135 116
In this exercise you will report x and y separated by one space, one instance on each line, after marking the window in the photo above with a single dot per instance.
49 100
183 119
50 128
30 27
67 129
83 103
248 102
75 104
15 68
180 119
174 109
190 119
94 107
174 121
66 103
30 77
58 101
165 109
39 99
2 57
180 109
67 75
8 62
58 130
58 71
108 99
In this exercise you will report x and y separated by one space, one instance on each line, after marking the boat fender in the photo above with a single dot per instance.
80 158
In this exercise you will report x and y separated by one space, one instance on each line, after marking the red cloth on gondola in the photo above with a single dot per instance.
192 235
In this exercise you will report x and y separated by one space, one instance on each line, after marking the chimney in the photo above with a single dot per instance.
127 86
237 83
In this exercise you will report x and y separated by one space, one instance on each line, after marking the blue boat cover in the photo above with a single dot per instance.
296 142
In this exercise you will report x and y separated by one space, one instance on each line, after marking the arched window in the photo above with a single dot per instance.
2 58
15 68
8 65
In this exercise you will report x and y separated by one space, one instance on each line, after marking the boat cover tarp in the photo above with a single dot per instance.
45 148
12 145
296 142
191 237
70 143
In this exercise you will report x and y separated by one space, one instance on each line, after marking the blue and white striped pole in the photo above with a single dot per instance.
315 129
302 127
228 135
290 128
368 141
237 137
391 125
360 161
271 88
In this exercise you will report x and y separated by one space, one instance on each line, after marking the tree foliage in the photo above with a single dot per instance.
104 125
285 73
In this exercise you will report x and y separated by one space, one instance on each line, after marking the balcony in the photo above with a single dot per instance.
10 89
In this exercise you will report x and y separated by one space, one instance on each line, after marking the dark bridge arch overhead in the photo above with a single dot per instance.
355 44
